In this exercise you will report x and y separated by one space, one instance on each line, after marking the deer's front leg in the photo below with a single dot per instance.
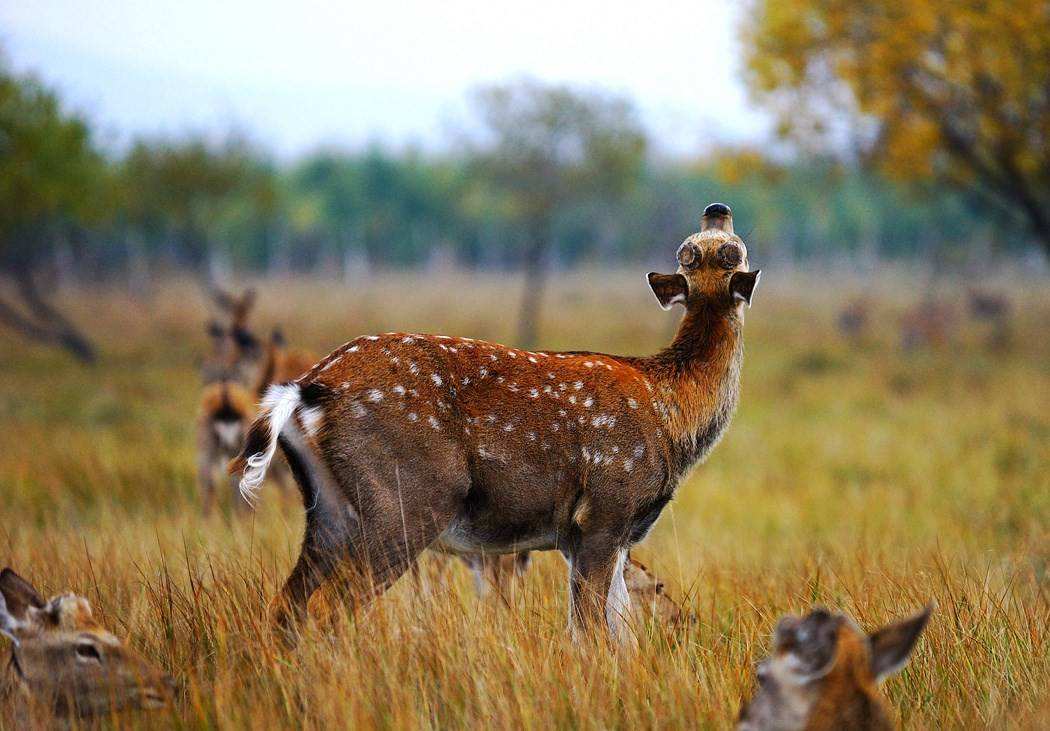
597 592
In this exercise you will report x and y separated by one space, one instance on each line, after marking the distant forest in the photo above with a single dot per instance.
554 176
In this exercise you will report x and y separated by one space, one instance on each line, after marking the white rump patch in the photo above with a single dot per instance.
311 418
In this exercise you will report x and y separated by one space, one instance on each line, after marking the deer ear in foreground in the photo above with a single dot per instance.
824 673
62 659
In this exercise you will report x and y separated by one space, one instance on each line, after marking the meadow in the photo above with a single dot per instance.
856 475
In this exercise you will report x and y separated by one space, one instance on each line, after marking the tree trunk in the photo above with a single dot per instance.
45 324
532 296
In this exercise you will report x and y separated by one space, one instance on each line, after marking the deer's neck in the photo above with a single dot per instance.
696 380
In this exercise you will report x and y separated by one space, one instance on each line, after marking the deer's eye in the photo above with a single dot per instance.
729 256
88 651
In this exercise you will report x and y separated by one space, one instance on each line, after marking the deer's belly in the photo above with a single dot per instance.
465 536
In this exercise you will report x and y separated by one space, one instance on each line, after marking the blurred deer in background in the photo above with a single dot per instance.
824 674
226 410
855 319
927 324
281 364
63 661
994 310
649 602
400 442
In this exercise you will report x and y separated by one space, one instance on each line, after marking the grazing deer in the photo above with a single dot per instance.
995 310
990 306
929 323
824 674
225 413
649 602
281 364
855 319
62 660
400 442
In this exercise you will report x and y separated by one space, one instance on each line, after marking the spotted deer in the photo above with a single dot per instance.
825 672
225 412
400 442
63 661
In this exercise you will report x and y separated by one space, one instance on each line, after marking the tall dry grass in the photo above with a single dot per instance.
854 476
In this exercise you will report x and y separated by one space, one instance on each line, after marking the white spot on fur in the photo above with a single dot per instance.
532 360
589 402
434 423
577 385
632 403
372 337
436 379
413 416
588 364
399 390
374 395
358 410
413 368
353 349
534 393
628 464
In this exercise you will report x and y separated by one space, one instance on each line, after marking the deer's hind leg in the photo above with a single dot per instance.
362 536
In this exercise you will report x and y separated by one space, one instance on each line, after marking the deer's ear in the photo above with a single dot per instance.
669 288
742 285
891 646
18 594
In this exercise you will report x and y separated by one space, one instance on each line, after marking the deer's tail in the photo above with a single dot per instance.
278 406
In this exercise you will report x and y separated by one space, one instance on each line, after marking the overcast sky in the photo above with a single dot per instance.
298 75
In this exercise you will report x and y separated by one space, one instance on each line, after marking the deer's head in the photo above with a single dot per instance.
712 267
824 673
62 658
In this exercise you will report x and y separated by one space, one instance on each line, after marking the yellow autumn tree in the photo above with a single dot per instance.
957 89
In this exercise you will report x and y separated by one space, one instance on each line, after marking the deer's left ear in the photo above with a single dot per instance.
742 285
892 645
669 288
18 595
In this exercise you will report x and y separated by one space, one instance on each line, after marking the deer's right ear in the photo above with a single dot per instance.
669 288
892 645
18 595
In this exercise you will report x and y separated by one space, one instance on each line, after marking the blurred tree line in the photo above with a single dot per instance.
551 176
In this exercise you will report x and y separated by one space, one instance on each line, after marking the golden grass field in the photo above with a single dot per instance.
855 476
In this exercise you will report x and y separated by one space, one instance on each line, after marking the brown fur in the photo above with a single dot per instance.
226 410
282 364
63 662
403 441
824 674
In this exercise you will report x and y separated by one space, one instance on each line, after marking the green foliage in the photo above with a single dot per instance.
564 169
49 170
